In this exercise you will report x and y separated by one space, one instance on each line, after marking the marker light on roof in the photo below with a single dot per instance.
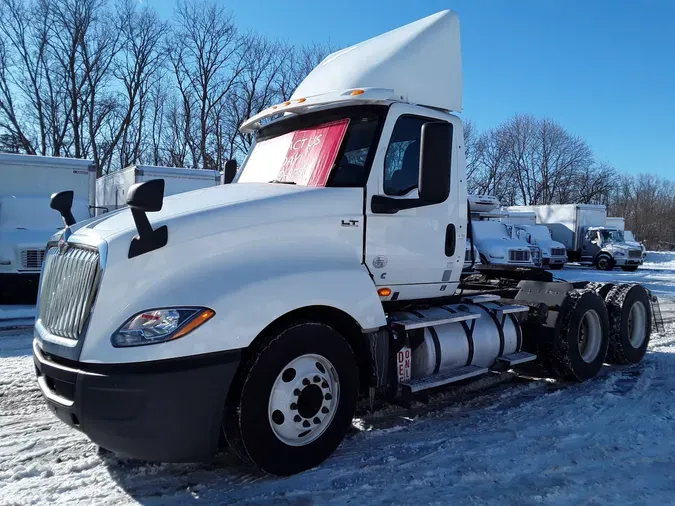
301 100
357 92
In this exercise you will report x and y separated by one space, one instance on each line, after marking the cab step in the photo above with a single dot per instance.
441 379
418 323
508 361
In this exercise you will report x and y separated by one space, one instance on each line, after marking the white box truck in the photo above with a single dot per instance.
26 221
583 229
111 189
493 238
256 315
523 226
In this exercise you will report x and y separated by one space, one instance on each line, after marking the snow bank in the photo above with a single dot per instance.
529 441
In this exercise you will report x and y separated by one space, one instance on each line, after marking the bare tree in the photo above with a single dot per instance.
206 59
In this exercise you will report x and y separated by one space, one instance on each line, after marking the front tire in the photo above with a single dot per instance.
604 262
581 337
296 400
630 323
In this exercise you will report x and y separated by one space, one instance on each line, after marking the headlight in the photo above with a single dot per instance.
492 255
160 325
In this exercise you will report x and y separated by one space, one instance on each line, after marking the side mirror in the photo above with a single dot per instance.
63 203
147 197
230 171
435 157
144 198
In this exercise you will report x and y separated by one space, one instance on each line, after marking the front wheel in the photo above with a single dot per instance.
604 263
296 401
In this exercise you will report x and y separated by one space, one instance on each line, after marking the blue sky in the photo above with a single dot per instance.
603 69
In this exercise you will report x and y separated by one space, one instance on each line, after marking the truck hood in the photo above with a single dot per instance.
501 243
204 209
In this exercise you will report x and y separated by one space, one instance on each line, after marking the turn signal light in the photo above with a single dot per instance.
384 292
200 319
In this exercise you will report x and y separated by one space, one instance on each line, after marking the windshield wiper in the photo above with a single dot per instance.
281 182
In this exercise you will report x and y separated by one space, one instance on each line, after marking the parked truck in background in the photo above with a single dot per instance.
620 223
26 221
522 225
255 315
111 189
583 230
493 238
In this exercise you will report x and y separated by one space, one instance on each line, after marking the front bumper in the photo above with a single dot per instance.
624 261
555 260
166 411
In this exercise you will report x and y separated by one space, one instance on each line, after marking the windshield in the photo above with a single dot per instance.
540 233
489 230
611 236
331 148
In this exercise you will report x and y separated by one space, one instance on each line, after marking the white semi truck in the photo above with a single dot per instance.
582 228
256 314
524 226
26 222
111 189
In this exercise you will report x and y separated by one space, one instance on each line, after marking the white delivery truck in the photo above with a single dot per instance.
111 189
582 228
257 314
523 226
492 237
620 223
26 221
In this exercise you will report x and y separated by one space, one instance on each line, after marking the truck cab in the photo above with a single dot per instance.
607 246
553 253
255 315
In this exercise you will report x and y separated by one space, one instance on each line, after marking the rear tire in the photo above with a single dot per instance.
295 399
556 267
601 289
581 337
630 323
629 268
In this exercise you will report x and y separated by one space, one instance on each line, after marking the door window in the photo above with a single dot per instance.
402 161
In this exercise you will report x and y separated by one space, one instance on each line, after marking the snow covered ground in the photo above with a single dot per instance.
513 441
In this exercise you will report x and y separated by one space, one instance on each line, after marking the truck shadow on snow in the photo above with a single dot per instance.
460 413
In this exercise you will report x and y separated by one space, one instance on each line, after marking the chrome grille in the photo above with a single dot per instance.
32 258
558 252
519 256
67 290
634 253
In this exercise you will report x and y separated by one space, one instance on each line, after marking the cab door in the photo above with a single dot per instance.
422 245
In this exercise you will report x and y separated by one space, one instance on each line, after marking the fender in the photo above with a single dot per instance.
603 252
248 289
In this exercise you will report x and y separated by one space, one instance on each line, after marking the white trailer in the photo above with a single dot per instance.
617 222
26 222
257 315
111 189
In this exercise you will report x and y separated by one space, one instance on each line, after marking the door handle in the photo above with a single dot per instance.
450 240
